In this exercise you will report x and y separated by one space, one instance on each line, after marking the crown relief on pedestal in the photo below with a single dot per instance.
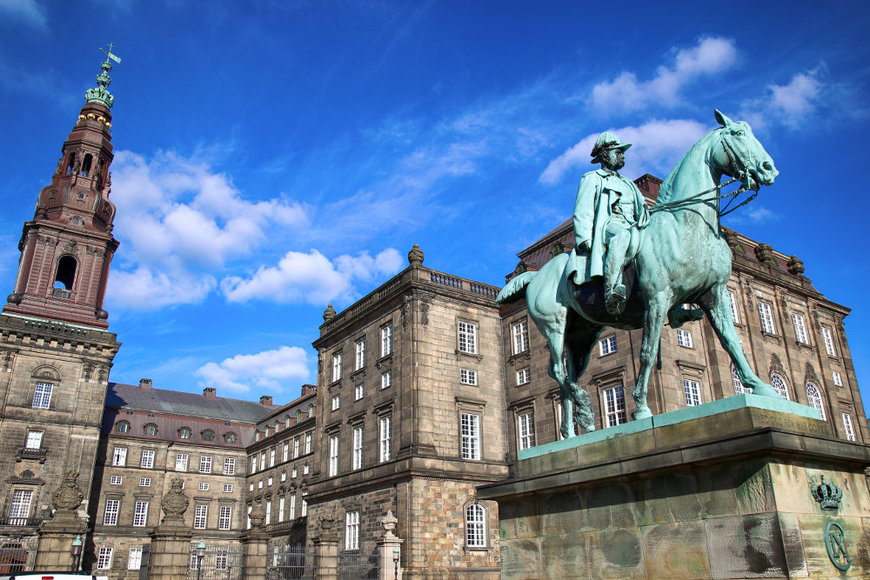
828 494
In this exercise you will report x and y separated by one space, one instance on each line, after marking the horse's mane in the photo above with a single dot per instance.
667 191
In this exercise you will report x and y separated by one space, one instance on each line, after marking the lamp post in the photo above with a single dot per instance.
396 562
200 554
76 552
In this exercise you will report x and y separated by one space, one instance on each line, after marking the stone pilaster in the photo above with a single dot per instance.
56 537
170 552
255 543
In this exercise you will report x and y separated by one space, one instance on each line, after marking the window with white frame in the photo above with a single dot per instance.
221 560
524 376
359 360
838 380
359 392
253 466
779 385
525 429
205 464
303 508
386 379
34 440
292 515
351 531
228 488
614 406
469 426
607 345
684 338
520 333
467 377
203 486
336 366
147 459
295 447
293 472
692 391
42 395
386 340
116 480
766 315
181 461
800 329
262 460
272 457
828 338
357 458
230 466
200 516
333 455
305 469
385 438
475 526
134 559
268 512
119 456
336 402
144 482
19 507
104 558
734 315
110 515
140 514
814 397
847 425
307 438
467 337
739 389
281 509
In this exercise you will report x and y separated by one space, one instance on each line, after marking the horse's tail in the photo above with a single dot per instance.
515 289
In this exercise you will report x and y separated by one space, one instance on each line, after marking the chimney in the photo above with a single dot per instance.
266 400
209 393
308 389
144 383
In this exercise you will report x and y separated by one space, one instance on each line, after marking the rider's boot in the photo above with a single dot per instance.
616 297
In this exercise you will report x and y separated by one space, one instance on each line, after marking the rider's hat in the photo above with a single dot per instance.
607 141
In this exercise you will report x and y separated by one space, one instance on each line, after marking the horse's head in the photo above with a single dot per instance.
742 155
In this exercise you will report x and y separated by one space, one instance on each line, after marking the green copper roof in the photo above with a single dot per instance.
100 94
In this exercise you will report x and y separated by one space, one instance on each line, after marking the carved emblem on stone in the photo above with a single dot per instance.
68 497
257 515
828 494
175 502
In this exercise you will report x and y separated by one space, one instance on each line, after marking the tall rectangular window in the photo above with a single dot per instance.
386 379
359 360
357 459
110 516
333 455
336 402
800 329
351 531
614 406
262 460
181 461
847 425
272 457
828 337
733 307
520 332
221 560
303 508
104 558
200 517
19 507
281 509
336 366
308 443
524 375
385 438
147 459
692 390
359 392
386 340
526 430
229 466
467 337
205 464
766 316
607 345
134 559
34 440
285 450
838 379
470 435
42 395
475 526
268 511
684 338
140 514
292 515
119 456
467 377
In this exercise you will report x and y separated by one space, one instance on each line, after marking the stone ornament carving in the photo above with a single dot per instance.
327 522
175 501
68 496
257 515
329 313
389 523
795 266
415 256
764 253
828 495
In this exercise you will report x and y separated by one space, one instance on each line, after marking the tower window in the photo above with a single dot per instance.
71 168
86 166
66 273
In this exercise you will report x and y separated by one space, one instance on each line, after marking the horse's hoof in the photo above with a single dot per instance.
641 413
589 428
765 390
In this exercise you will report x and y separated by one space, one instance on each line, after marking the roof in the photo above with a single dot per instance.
180 403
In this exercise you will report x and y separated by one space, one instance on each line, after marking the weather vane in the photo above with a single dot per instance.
111 55
100 94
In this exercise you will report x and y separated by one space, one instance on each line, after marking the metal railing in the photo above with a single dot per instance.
354 565
291 564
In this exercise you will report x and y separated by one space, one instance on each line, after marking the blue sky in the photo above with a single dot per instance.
274 157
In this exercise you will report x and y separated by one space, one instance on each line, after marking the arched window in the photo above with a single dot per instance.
230 437
739 389
122 427
70 168
475 526
184 433
814 396
66 273
151 429
86 166
208 435
778 384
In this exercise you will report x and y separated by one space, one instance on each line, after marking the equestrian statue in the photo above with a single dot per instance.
634 266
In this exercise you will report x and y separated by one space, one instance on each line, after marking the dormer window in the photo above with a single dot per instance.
208 435
123 427
151 430
184 433
230 437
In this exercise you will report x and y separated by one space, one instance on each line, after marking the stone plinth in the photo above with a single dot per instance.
389 568
170 551
255 543
724 490
326 556
55 541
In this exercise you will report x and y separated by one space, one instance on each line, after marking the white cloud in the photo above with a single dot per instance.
27 11
144 289
788 105
270 370
626 93
656 147
311 277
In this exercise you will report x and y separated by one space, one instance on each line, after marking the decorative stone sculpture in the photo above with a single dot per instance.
68 496
389 522
415 257
329 313
795 266
257 515
327 522
764 253
175 501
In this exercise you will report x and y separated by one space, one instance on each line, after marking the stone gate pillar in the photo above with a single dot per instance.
390 550
170 541
326 549
56 535
255 542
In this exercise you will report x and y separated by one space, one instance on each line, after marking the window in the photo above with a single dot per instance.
260 484
778 384
293 473
847 425
119 456
230 437
467 337
205 464
386 379
42 395
386 340
614 406
262 460
184 433
253 466
524 376
281 509
292 515
208 435
200 516
336 366
520 333
475 526
359 392
815 398
467 377
110 516
739 389
151 429
734 316
692 390
228 488
351 531
295 447
385 438
800 329
305 469
359 360
181 462
203 486
104 558
147 459
308 443
269 480
225 517
336 402
116 480
684 338
19 508
838 380
526 430
268 512
766 318
230 466
272 457
828 337
470 435
140 515
122 427
607 345
285 450
144 482
357 459
221 560
34 440
333 455
134 559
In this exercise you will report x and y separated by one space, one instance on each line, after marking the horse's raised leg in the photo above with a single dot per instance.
582 337
653 322
716 304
